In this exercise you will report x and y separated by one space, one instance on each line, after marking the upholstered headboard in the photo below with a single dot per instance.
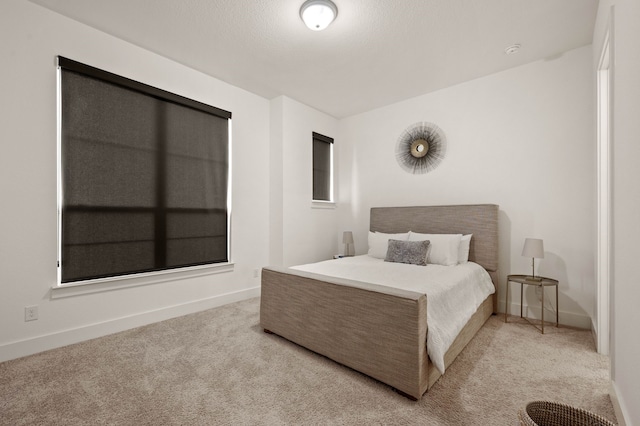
481 220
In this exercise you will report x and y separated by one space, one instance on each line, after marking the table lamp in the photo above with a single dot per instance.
347 240
533 248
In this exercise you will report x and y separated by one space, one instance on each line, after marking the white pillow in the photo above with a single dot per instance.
444 247
463 251
379 243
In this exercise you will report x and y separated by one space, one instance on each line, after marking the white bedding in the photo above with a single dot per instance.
454 293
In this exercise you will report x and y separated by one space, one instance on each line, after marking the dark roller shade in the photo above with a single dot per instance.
144 177
321 167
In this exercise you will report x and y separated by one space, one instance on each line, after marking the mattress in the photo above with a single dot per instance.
453 293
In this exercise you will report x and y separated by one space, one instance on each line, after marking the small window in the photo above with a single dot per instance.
322 168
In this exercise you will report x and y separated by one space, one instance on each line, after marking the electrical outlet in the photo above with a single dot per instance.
255 273
30 313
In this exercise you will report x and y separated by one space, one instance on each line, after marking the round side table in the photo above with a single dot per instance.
541 282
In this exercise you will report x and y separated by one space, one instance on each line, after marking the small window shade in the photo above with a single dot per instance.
322 165
144 177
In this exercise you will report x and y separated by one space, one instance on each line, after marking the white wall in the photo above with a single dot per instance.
522 139
276 196
625 288
305 232
31 38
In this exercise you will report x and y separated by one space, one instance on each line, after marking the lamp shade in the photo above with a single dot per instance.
347 237
318 14
533 247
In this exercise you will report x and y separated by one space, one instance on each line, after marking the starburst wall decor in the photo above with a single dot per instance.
421 147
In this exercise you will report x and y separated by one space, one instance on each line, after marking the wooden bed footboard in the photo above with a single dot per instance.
376 330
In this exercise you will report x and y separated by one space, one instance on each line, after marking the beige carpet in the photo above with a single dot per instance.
218 367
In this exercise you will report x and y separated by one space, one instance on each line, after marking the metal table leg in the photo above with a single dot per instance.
521 301
506 302
557 306
542 304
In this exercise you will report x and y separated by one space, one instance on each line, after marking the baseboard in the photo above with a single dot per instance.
594 334
38 344
619 410
565 318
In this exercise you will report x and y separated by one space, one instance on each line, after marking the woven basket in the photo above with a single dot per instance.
544 413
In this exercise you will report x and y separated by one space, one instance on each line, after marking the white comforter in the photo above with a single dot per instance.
454 293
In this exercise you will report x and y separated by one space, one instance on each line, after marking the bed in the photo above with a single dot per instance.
378 330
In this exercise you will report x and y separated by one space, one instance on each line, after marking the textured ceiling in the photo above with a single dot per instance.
375 53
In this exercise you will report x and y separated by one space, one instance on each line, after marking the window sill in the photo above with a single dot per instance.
323 205
136 280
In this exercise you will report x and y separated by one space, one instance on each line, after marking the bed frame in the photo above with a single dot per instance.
377 330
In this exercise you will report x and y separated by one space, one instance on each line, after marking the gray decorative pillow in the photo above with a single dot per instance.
413 252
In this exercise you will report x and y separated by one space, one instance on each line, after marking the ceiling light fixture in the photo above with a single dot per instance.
510 50
318 14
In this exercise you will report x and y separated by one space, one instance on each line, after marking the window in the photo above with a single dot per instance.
143 177
322 168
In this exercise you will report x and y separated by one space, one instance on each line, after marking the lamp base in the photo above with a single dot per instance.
536 279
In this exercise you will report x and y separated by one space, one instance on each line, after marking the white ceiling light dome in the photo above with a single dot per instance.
318 14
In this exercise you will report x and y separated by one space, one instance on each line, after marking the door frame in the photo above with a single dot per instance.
604 76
